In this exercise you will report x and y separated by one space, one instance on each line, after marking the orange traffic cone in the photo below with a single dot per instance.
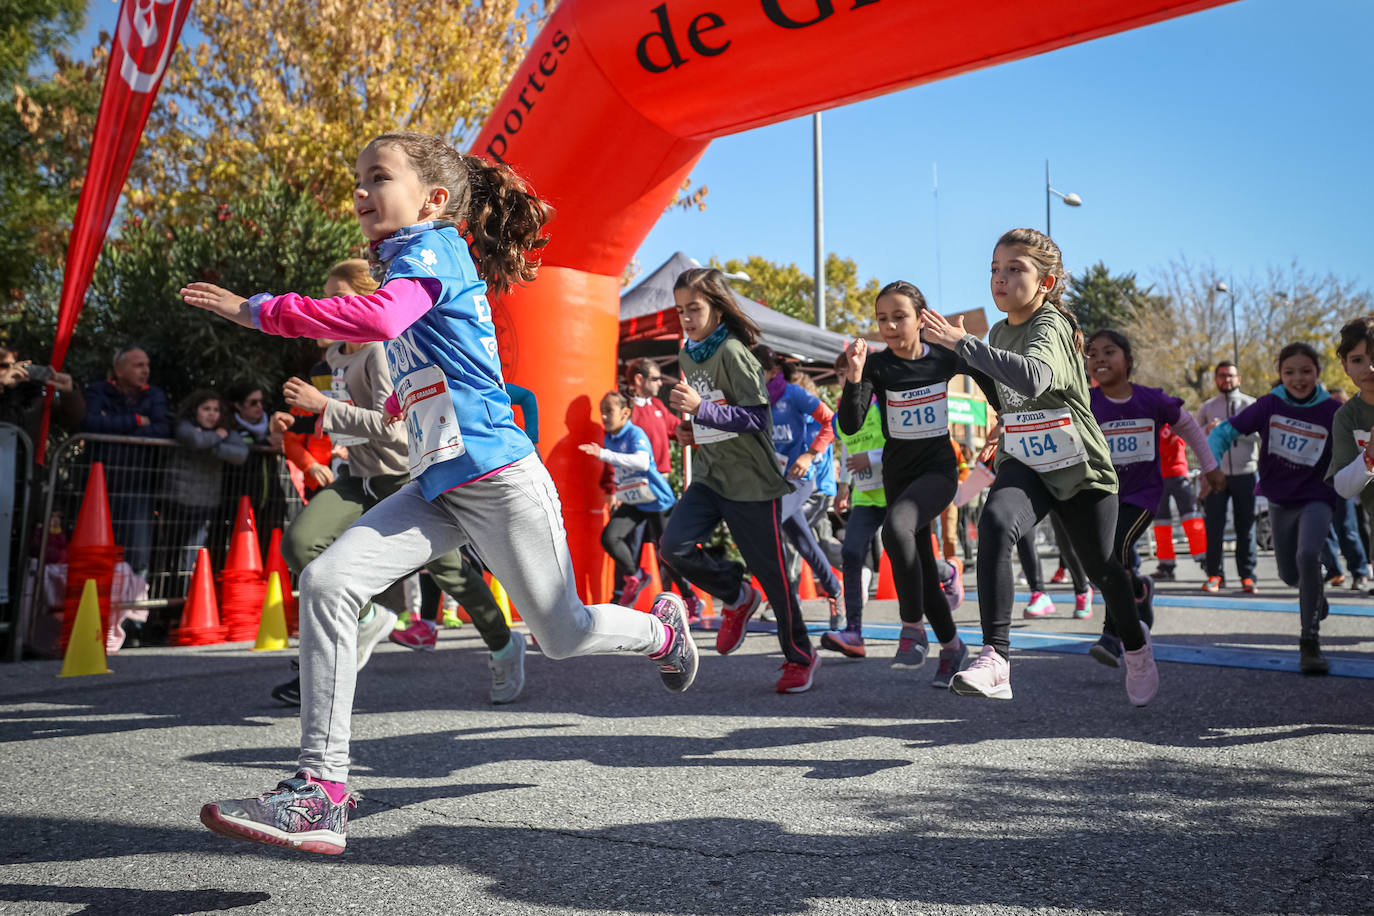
92 554
276 563
708 603
887 585
244 586
200 624
646 597
806 585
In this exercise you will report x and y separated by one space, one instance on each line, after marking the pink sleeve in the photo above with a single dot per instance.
382 315
392 405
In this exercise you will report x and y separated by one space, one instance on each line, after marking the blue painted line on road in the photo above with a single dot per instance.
1079 644
1207 602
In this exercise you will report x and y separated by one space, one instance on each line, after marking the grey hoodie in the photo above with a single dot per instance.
362 383
1241 458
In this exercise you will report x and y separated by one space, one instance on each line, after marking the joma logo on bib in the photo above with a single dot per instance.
403 355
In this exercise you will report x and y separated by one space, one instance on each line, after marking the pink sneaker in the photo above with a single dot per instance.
1083 605
634 584
1040 606
988 676
421 634
695 607
1142 675
734 621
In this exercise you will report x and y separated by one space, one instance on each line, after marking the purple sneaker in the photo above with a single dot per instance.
953 586
677 664
297 814
845 642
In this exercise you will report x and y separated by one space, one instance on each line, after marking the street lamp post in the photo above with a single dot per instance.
1221 287
1071 200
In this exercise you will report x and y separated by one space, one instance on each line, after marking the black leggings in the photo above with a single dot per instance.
619 536
906 538
1131 523
1017 500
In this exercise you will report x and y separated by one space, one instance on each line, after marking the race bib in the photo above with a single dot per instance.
1361 439
1043 440
919 413
705 435
1130 441
431 423
338 391
1296 441
869 478
634 490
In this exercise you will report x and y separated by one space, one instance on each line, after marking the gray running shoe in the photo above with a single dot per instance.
296 814
951 663
677 666
373 631
912 647
508 672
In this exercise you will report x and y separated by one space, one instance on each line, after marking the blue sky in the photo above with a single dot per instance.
1239 136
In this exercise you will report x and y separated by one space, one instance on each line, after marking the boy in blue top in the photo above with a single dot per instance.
641 494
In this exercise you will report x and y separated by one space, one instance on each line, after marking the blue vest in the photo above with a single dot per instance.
646 490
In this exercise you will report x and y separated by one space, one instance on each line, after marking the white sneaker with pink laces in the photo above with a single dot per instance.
1142 675
989 676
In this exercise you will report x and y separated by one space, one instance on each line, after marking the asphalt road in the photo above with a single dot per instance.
1237 791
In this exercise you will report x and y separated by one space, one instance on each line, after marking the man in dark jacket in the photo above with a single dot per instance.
126 405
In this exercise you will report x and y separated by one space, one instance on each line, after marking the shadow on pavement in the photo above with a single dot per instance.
120 901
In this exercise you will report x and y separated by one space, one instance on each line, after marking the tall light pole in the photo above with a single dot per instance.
1221 287
820 223
1071 200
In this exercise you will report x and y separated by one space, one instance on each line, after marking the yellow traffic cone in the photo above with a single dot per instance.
502 599
86 647
272 628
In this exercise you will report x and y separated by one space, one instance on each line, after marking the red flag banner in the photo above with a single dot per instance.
144 39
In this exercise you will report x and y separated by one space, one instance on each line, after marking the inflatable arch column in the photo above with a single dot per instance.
617 100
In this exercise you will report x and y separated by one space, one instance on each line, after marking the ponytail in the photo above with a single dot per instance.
504 223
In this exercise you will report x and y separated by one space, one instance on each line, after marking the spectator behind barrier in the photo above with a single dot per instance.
260 479
21 395
126 405
194 472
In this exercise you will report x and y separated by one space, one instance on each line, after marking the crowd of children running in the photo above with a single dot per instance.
1078 440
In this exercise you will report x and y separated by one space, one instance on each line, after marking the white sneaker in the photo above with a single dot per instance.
508 672
1040 606
373 631
989 676
1142 675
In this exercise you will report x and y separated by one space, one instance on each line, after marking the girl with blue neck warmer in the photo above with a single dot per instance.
736 477
446 230
1294 424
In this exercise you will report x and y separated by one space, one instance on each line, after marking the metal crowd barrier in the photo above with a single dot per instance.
16 471
161 514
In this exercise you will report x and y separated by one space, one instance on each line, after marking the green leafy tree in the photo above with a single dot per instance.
788 289
278 240
1099 300
47 108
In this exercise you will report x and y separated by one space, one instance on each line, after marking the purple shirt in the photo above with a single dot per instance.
1295 449
1131 429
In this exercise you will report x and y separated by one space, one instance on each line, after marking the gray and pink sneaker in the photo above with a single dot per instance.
677 662
989 676
297 814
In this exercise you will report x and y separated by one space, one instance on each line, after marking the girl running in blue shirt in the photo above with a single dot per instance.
445 230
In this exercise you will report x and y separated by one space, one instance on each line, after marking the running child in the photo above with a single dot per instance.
1294 422
641 495
445 230
1350 471
736 478
1132 418
1051 456
910 380
801 449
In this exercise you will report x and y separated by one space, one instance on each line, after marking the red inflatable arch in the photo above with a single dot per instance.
618 99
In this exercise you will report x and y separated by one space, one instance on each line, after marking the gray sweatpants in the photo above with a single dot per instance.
515 522
1299 533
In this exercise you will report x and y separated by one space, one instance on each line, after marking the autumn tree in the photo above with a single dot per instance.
47 108
786 288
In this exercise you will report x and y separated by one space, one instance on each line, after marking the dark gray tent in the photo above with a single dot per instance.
649 325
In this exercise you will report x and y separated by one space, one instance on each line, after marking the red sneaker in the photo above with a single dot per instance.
1059 576
421 634
796 677
1213 584
1248 586
734 622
